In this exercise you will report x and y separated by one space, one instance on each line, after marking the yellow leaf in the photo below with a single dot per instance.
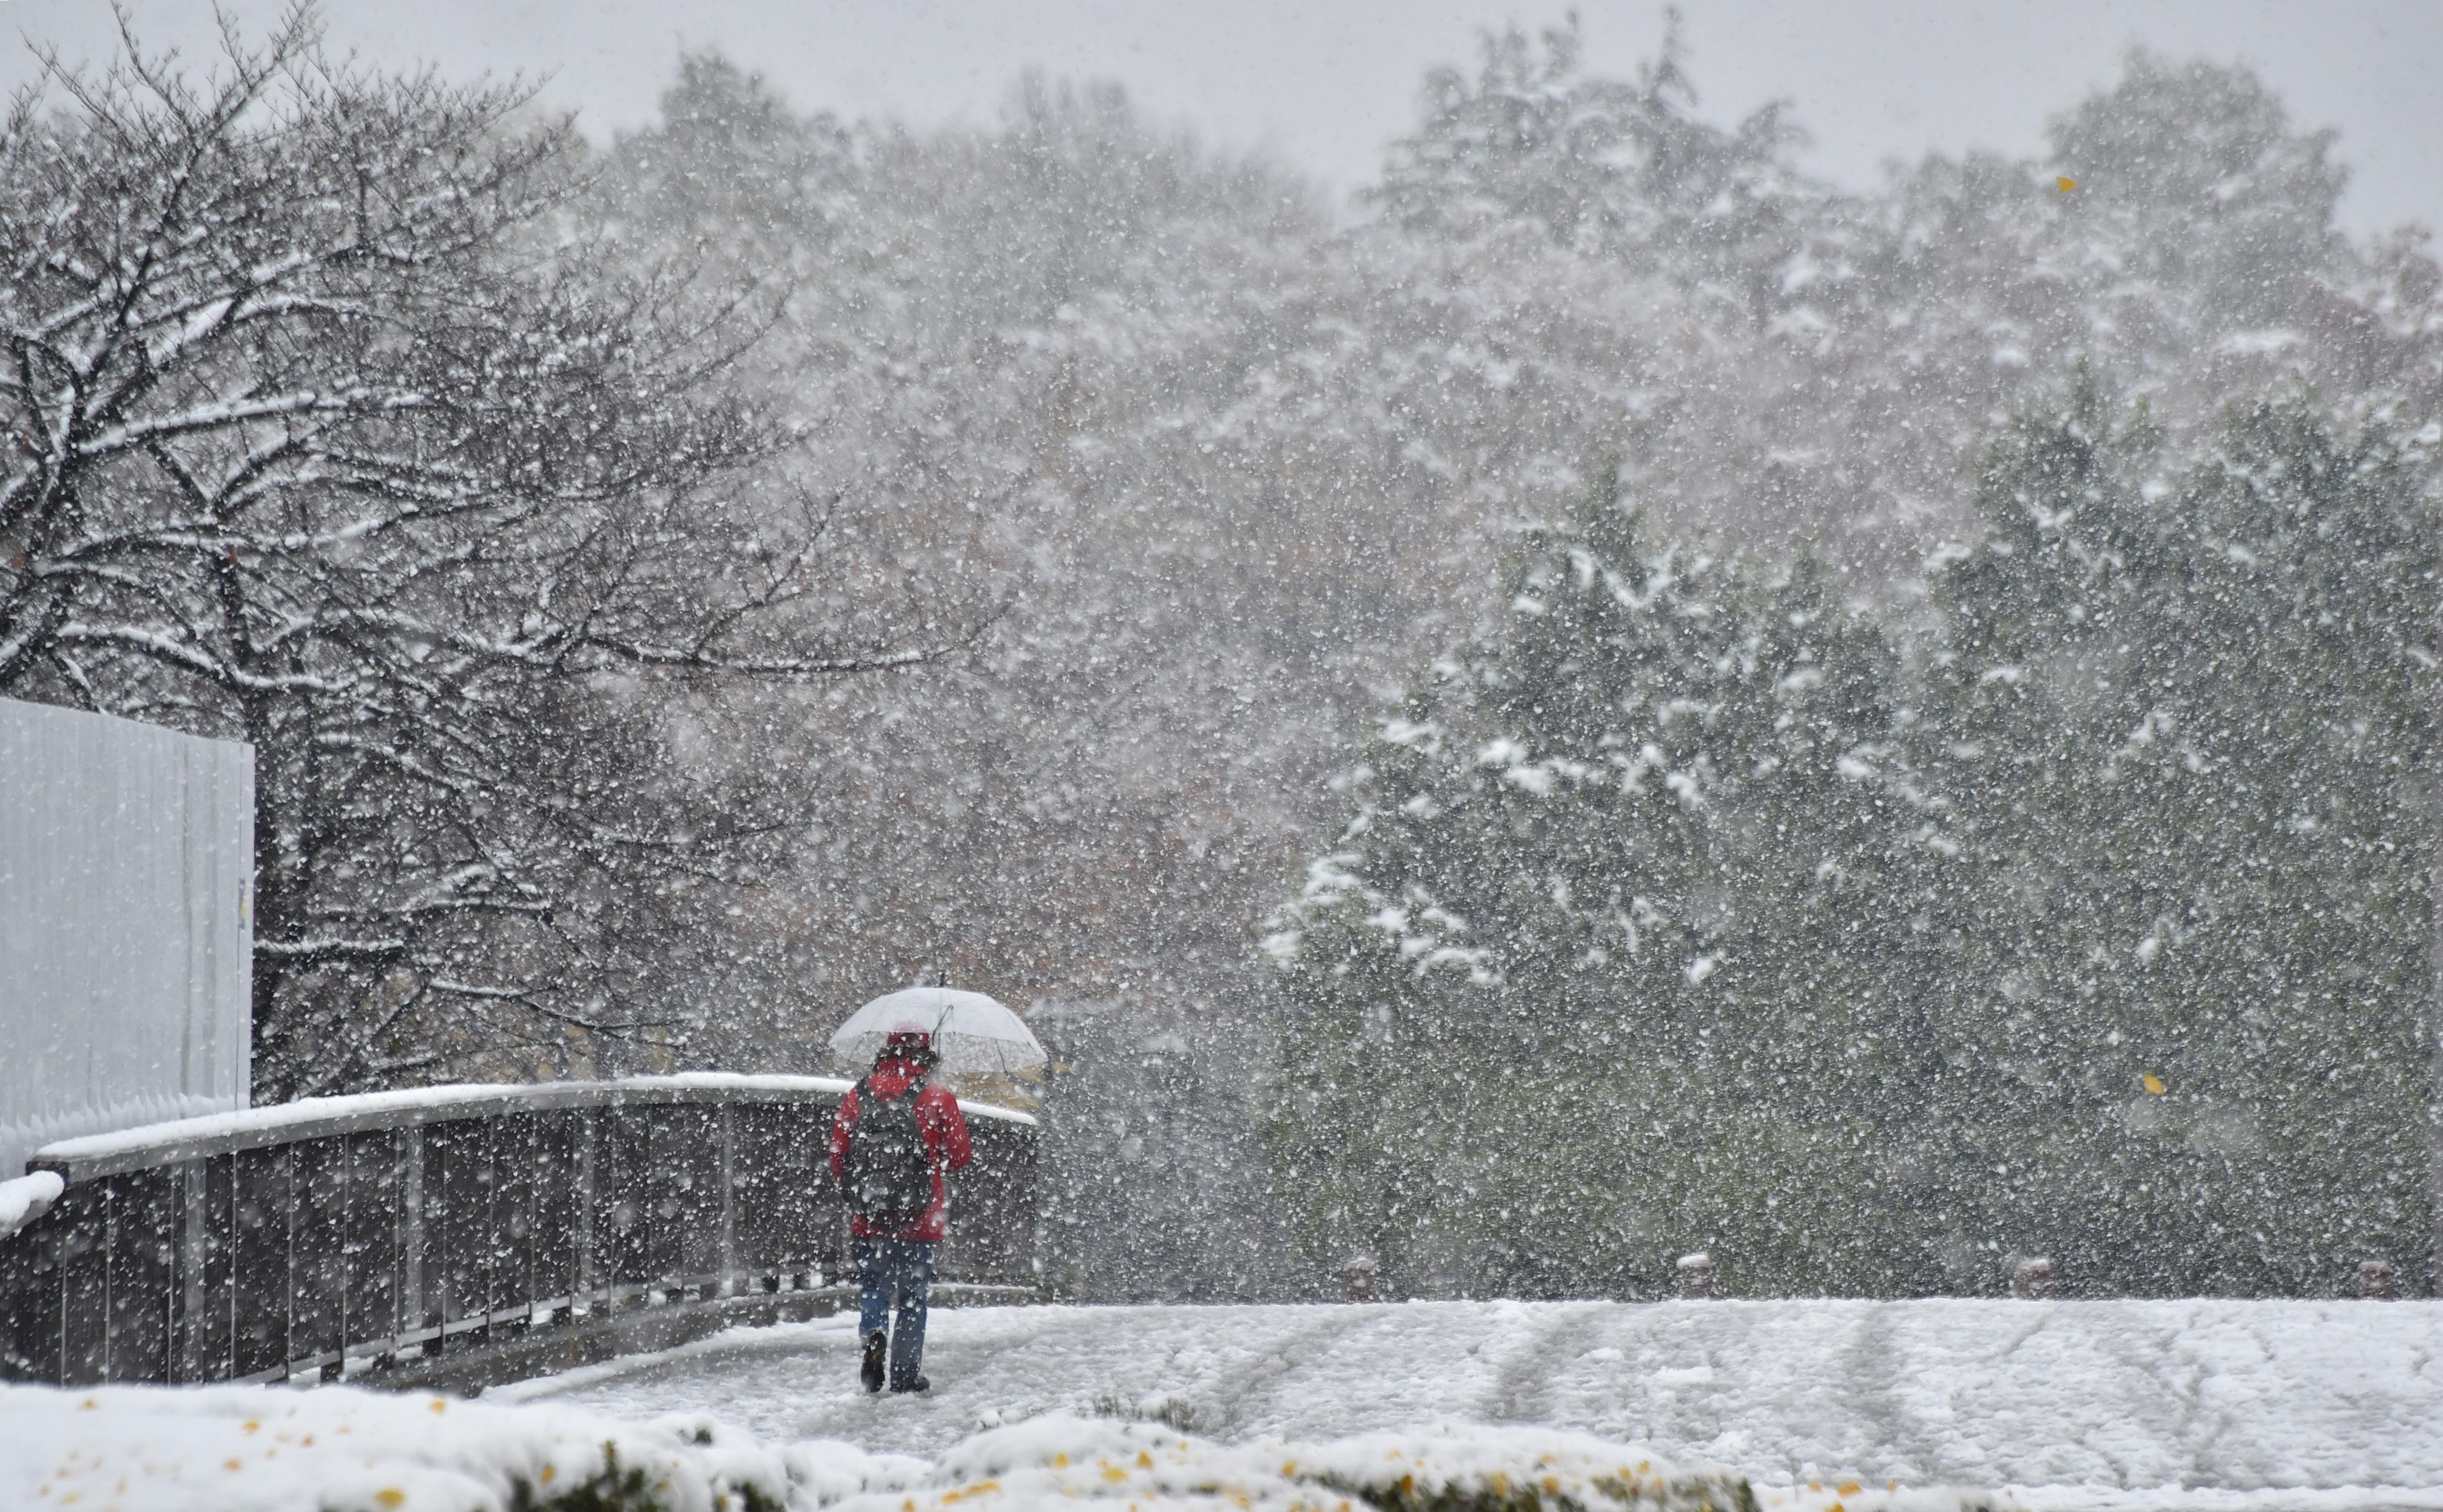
2067 184
1145 1461
1112 1472
548 1472
1848 1488
390 1496
440 1405
2154 1083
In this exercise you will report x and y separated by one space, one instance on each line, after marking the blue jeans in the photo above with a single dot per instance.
896 1273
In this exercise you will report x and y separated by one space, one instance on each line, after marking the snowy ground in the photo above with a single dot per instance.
1571 1407
2193 1405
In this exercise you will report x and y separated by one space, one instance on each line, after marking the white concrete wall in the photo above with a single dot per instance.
126 925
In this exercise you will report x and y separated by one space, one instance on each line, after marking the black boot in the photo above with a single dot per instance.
919 1384
869 1370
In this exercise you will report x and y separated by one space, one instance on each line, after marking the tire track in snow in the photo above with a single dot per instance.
1238 1399
1526 1379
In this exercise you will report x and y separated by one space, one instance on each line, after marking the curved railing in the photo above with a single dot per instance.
403 1232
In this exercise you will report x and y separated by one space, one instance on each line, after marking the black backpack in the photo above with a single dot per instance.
890 1171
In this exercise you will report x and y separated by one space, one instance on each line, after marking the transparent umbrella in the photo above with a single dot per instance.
972 1032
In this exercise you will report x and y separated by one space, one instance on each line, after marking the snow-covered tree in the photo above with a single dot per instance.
1610 168
328 436
1611 960
2186 719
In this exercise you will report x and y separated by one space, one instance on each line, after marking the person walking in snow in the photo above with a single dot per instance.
896 1140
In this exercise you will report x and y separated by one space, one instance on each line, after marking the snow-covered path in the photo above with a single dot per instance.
2195 1404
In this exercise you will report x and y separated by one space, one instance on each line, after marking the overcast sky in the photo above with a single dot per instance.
1324 83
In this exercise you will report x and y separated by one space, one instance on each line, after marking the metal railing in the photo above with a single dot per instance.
336 1235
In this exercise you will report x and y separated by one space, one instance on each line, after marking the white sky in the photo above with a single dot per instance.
1324 83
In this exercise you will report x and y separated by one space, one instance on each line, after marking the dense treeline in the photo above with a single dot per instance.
1234 462
532 511
1688 906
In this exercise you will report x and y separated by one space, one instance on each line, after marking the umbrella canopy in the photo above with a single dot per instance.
971 1031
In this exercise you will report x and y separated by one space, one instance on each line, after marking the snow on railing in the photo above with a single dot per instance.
337 1234
26 1198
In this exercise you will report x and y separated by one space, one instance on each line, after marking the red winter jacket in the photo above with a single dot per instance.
946 1135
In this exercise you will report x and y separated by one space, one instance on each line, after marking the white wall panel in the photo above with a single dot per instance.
126 925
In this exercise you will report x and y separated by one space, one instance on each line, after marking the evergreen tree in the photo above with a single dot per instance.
1601 969
2186 723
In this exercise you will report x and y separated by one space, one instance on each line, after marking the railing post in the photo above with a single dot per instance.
589 1275
2377 1280
1697 1274
413 1309
729 1124
194 1257
289 1309
2031 1279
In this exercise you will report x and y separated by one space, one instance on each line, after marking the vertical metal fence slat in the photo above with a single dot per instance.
583 1210
320 1332
370 1296
828 1218
258 1274
85 1283
414 1245
681 1247
622 1202
136 1324
212 1327
726 1161
458 1172
515 1204
556 1183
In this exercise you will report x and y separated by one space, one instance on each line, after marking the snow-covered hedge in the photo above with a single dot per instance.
230 1449
343 1450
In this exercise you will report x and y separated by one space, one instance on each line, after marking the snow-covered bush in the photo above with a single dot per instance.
343 1449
